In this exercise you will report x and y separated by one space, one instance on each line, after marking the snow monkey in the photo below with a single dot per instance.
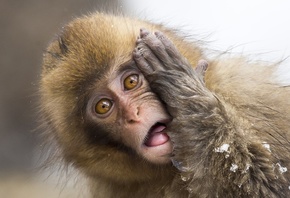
136 108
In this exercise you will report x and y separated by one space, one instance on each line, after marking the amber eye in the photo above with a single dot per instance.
131 82
103 106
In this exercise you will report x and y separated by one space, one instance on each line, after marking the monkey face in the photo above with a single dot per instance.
97 104
137 118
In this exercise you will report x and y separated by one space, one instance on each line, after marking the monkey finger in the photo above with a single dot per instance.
201 67
179 62
169 46
141 62
157 47
152 60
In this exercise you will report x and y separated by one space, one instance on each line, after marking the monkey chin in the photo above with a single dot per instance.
158 154
157 147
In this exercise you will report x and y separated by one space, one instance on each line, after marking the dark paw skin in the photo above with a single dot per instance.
155 52
202 123
195 110
170 75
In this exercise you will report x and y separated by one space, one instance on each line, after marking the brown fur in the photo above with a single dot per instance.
256 108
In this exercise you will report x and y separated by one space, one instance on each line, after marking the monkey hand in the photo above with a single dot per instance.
196 111
171 76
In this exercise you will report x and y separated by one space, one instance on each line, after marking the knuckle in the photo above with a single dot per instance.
154 42
140 46
158 45
146 52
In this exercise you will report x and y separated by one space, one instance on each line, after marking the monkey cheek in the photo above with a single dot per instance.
158 154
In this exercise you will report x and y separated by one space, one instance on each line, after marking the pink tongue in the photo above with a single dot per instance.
156 136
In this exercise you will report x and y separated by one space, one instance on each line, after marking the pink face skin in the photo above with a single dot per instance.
137 115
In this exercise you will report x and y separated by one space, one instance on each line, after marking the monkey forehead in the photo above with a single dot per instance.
100 40
106 39
92 47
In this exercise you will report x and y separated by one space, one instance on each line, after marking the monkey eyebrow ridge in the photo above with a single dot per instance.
130 65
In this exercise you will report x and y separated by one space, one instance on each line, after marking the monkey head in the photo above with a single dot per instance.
97 104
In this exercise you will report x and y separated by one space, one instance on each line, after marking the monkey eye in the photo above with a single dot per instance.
131 81
103 106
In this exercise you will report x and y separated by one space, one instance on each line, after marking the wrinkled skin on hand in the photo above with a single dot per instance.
195 110
170 75
201 123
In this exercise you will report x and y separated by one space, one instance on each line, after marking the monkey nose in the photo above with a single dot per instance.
132 114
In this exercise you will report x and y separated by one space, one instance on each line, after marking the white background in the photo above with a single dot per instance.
252 27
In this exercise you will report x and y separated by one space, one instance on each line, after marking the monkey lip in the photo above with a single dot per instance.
156 136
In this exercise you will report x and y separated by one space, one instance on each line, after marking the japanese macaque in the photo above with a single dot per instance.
138 110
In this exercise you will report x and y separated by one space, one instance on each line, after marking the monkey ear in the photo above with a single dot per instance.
62 40
58 47
54 53
62 45
201 68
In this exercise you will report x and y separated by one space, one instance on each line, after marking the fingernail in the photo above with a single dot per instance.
158 34
144 32
136 53
138 41
203 63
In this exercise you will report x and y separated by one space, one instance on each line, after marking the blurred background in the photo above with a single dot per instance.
259 29
26 29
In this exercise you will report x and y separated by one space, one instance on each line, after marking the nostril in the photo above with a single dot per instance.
133 115
131 121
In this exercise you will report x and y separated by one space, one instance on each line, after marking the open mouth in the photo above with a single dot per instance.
156 135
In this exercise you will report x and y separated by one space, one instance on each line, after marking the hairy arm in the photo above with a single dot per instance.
211 148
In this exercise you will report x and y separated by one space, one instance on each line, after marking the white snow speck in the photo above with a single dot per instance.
222 148
266 146
247 168
234 167
289 187
281 168
189 189
183 178
180 166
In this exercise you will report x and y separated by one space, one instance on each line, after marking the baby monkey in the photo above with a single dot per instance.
139 121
